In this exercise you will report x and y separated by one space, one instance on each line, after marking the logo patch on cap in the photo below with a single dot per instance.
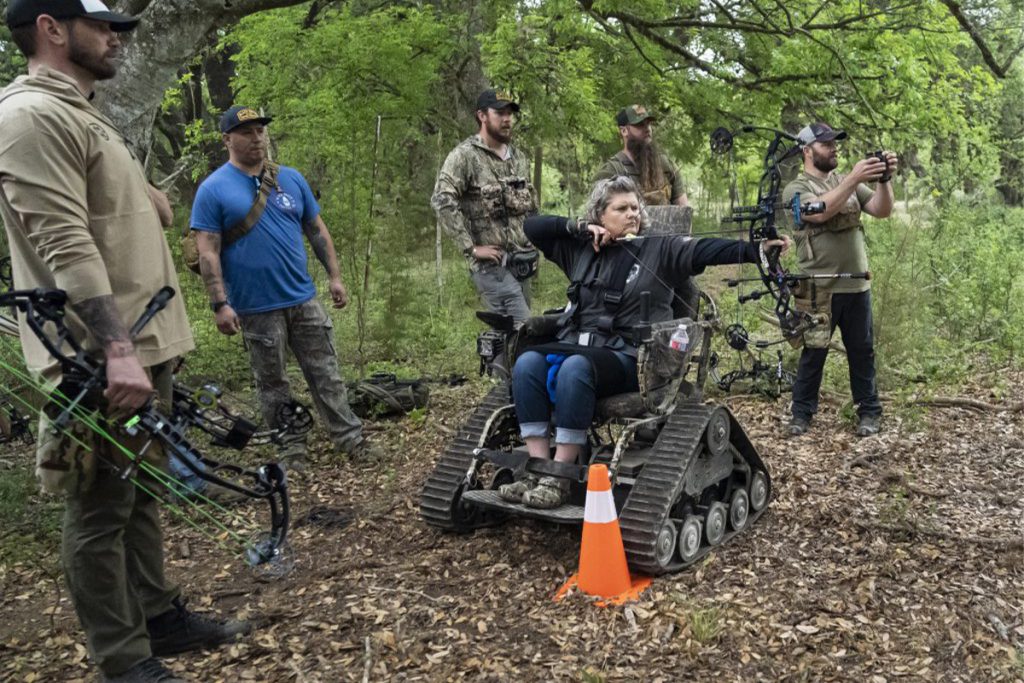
640 110
502 95
247 115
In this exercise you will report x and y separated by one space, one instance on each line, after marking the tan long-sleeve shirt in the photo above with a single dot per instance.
75 204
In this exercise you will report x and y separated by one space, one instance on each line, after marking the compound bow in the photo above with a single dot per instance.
75 399
760 219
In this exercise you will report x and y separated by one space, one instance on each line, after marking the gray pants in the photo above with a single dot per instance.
501 292
307 330
113 554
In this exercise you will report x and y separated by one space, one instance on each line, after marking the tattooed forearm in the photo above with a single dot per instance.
104 322
323 247
209 265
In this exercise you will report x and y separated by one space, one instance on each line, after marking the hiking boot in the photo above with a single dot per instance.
550 492
798 426
147 671
180 631
869 425
292 456
514 492
365 450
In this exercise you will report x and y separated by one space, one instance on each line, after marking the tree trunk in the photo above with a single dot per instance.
170 34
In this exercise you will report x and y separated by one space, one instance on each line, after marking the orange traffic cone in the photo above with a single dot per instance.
603 571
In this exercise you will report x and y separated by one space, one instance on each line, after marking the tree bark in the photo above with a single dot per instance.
171 33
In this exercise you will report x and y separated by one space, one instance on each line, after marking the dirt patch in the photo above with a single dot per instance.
897 557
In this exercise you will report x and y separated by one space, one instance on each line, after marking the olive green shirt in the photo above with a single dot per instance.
620 164
75 204
837 245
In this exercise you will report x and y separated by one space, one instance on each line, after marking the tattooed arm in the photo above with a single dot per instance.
209 267
128 385
323 247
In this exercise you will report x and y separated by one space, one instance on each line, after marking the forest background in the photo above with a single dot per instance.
368 98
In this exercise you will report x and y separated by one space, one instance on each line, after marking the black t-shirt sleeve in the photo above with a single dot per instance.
550 234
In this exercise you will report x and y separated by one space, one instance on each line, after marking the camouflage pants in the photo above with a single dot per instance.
307 330
113 555
501 292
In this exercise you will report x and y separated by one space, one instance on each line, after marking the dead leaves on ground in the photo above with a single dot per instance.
891 558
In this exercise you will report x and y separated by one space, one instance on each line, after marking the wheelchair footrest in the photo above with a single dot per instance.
519 461
565 514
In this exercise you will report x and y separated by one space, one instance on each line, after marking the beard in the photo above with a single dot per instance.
648 161
825 163
102 66
504 136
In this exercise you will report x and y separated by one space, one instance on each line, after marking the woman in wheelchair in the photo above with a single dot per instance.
610 265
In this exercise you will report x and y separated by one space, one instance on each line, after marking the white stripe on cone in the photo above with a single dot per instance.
600 508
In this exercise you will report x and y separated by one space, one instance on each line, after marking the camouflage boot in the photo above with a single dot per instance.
514 492
550 492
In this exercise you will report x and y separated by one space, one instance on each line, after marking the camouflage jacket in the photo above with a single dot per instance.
481 199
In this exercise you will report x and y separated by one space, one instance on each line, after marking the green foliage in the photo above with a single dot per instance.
705 624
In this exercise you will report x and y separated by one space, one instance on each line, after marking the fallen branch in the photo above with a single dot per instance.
971 403
862 461
914 530
901 479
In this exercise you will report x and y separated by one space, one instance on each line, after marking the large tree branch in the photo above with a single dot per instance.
170 34
997 68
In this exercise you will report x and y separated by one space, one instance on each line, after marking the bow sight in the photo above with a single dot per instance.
76 398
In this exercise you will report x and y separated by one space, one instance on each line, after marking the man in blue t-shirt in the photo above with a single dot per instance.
259 283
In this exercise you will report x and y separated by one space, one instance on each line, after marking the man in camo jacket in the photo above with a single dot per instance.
482 196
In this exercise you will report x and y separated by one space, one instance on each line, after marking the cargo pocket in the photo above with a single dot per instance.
819 309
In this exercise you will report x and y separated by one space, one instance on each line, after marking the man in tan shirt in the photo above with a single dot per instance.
77 211
833 242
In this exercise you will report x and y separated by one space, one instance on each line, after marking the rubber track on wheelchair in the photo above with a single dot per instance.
441 492
661 482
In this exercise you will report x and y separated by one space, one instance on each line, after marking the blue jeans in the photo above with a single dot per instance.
183 474
576 394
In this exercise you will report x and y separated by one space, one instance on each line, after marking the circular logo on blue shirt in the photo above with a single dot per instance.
285 202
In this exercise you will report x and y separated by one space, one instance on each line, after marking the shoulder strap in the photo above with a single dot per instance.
268 181
572 292
616 284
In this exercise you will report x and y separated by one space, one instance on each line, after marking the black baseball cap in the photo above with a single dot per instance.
25 12
239 116
819 132
496 99
634 114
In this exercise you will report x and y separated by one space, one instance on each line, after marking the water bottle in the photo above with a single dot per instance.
680 340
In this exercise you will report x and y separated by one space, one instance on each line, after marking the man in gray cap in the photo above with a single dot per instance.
482 196
833 242
76 207
653 172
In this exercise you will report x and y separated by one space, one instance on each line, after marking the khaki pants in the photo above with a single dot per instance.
112 551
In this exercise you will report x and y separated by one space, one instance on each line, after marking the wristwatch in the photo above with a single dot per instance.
215 306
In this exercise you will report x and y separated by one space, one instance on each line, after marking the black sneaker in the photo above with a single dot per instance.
180 631
798 426
147 671
869 425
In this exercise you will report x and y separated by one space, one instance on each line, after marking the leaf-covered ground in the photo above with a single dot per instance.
897 557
